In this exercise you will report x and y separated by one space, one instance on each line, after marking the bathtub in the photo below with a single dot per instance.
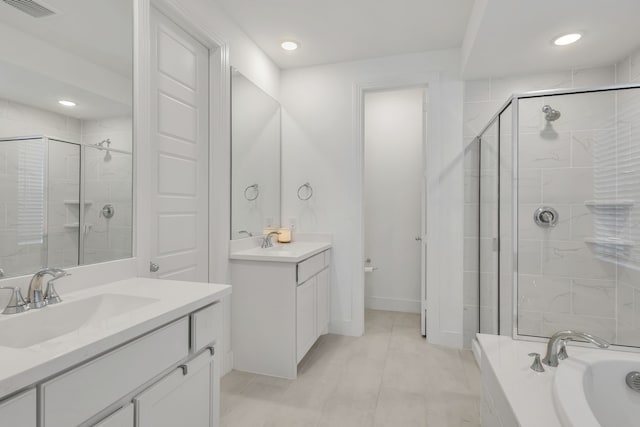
589 390
586 390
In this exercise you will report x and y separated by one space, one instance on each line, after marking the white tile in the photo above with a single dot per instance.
574 259
476 116
567 185
594 297
622 71
540 293
581 222
529 257
529 323
503 88
477 90
594 77
593 148
530 186
634 66
544 150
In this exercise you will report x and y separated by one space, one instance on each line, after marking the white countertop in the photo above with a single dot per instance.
283 252
22 367
528 392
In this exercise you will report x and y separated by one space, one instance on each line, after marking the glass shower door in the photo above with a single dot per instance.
579 214
489 243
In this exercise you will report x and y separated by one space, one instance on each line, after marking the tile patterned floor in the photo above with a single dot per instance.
388 377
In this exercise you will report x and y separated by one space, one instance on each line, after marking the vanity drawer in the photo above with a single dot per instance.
19 411
310 266
206 326
74 397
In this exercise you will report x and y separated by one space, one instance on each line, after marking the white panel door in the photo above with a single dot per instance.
179 152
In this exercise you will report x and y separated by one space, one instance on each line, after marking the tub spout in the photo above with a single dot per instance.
553 346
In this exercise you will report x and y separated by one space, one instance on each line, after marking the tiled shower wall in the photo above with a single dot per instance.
110 182
482 99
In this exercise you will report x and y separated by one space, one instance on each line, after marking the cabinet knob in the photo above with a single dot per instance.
211 350
153 267
185 369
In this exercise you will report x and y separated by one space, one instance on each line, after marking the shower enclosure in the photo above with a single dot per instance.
558 215
63 204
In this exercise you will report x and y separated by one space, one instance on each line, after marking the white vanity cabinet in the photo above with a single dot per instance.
183 398
279 309
19 411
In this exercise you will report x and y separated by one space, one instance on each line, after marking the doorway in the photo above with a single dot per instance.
394 146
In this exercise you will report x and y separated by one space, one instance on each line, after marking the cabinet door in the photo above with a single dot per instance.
19 411
185 397
322 304
306 317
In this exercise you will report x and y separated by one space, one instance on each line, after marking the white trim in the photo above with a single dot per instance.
437 278
219 147
393 304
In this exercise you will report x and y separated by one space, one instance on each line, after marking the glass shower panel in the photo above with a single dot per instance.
489 244
63 204
108 205
579 214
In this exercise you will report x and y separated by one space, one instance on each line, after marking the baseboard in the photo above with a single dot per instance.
393 304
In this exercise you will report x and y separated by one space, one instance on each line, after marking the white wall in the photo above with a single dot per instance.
320 146
393 148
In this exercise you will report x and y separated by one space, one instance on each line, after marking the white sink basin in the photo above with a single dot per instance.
41 325
286 252
590 390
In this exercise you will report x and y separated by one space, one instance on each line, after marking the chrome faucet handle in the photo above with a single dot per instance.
537 364
16 303
36 297
556 340
50 294
562 353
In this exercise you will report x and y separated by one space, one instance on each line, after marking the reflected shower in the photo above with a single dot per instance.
550 114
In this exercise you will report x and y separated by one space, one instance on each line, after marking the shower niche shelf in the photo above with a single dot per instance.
611 241
77 202
613 203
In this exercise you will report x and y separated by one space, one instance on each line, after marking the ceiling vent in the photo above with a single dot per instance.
30 7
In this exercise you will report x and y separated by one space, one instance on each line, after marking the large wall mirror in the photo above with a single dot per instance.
66 167
255 158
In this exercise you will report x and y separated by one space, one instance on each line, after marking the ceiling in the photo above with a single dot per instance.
83 53
496 37
509 37
344 30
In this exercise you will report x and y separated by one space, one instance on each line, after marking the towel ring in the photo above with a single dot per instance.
256 191
309 191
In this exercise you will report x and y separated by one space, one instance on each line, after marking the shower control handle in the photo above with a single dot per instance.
546 216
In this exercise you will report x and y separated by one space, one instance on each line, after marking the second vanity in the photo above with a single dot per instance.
280 305
137 352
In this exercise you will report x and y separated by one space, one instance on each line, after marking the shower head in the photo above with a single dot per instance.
550 114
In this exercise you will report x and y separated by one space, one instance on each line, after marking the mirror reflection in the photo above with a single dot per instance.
255 154
66 127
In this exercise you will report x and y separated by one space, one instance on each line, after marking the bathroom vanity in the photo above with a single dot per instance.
137 352
280 305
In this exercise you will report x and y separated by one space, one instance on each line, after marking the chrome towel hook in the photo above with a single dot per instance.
252 189
307 193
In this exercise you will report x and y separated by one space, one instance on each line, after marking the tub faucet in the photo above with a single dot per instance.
553 346
266 242
35 296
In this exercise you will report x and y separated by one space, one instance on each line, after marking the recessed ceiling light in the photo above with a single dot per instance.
567 39
67 103
289 45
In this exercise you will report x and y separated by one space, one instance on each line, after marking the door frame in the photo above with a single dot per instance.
219 131
431 83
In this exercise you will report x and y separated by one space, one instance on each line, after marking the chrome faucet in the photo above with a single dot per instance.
557 339
266 242
35 297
